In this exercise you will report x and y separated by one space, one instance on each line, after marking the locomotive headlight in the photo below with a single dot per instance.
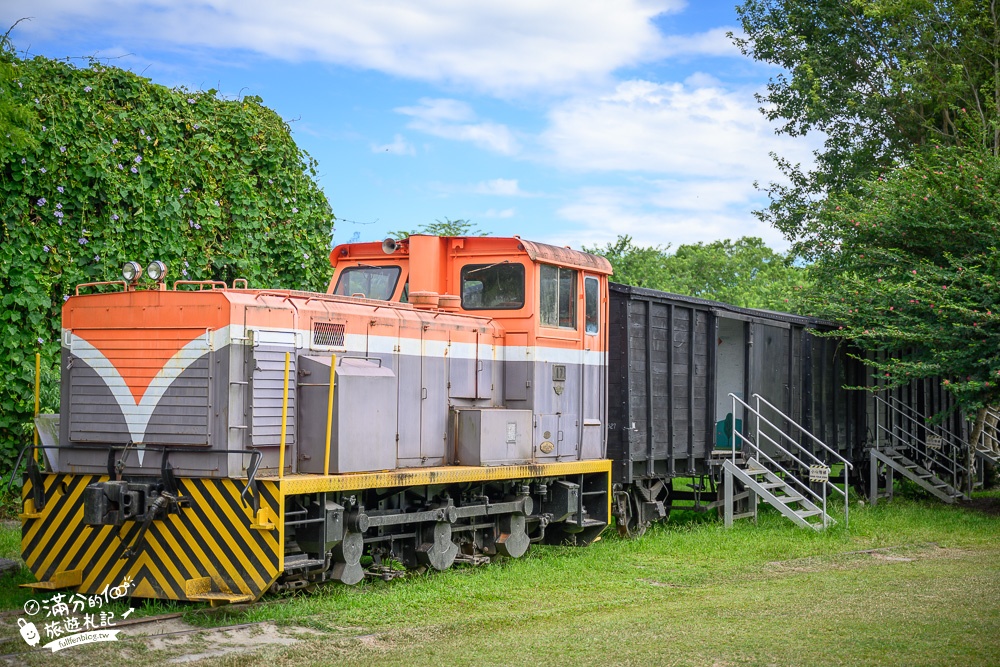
156 271
131 272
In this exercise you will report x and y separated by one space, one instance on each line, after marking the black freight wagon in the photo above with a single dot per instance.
673 363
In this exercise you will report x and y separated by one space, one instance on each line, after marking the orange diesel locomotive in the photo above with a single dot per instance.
444 401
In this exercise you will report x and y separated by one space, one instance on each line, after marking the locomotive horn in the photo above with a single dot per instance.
389 246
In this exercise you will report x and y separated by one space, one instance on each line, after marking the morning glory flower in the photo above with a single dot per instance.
45 248
142 132
83 241
197 126
87 89
59 206
295 210
114 216
134 170
186 264
42 201
184 272
61 189
186 190
114 142
97 258
23 160
138 159
62 149
43 170
190 100
41 342
65 297
120 166
58 214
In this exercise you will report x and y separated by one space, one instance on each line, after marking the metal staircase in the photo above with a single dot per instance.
988 447
931 456
800 496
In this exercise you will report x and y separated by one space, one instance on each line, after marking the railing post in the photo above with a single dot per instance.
872 478
732 436
284 418
329 414
728 491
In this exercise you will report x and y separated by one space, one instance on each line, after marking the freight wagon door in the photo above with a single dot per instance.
771 365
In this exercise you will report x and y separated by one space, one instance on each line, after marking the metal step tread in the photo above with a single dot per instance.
805 513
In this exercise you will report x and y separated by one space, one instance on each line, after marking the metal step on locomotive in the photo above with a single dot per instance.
444 401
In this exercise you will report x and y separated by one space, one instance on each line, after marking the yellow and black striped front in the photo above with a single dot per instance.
212 546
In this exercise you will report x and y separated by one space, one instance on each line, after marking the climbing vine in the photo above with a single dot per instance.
120 168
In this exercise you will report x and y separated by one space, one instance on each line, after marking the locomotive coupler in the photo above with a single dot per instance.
114 502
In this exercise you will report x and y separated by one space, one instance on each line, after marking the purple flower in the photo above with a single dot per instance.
197 226
138 159
41 342
184 272
42 201
186 190
190 223
83 241
87 89
114 216
97 258
305 255
65 297
114 141
44 128
23 160
190 100
58 214
142 132
270 182
120 166
43 170
36 100
20 85
197 126
59 206
295 210
61 189
149 138
62 149
186 264
45 248
216 202
134 170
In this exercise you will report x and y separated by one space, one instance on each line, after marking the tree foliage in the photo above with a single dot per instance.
123 169
744 272
878 78
910 266
446 227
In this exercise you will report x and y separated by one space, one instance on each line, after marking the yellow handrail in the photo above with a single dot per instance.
284 418
38 384
329 414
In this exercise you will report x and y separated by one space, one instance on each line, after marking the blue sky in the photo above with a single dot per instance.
564 121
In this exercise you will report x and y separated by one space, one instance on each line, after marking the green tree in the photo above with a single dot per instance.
123 169
876 77
744 272
16 118
910 266
446 227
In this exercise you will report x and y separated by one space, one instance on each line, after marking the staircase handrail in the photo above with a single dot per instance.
953 439
826 484
801 429
986 435
930 453
777 465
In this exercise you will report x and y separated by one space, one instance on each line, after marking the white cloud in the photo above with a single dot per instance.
499 46
670 128
455 120
714 42
506 187
501 214
399 146
600 215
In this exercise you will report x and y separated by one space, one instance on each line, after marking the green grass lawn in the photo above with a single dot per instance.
688 593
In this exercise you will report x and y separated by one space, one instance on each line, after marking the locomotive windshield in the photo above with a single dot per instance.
373 282
493 286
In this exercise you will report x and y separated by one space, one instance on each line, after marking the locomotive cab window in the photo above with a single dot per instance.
374 282
493 286
591 294
557 301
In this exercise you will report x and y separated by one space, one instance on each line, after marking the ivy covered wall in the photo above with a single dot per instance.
119 169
